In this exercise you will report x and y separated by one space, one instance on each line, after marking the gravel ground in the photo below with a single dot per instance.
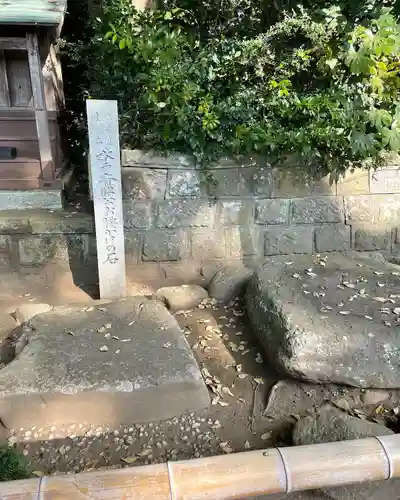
240 383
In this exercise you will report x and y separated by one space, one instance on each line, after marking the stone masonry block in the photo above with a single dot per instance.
332 238
208 244
42 222
144 183
275 211
231 182
238 213
133 246
137 214
288 239
314 210
50 199
361 209
262 179
373 209
184 213
371 237
164 245
243 241
356 182
37 251
5 242
151 159
294 182
15 222
183 184
385 180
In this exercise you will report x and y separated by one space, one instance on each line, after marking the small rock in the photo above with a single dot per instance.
331 424
229 282
26 312
375 397
209 270
181 297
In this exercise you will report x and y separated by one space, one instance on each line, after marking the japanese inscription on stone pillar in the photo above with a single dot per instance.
107 196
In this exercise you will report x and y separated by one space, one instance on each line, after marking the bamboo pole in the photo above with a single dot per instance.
226 477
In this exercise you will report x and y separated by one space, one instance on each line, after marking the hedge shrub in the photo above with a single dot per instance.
317 82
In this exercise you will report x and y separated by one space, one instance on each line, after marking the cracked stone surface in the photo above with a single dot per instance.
332 319
125 361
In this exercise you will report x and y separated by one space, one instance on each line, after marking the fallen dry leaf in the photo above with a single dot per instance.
146 452
226 390
265 436
130 460
225 447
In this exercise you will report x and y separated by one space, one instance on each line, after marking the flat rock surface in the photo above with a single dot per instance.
330 425
123 361
333 319
26 312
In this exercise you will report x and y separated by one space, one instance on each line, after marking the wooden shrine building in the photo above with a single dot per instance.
31 95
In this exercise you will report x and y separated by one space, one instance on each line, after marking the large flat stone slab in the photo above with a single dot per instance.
122 362
329 320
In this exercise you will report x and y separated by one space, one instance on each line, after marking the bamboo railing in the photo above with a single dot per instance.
240 475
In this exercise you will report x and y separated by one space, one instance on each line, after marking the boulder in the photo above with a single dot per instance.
181 297
329 320
119 363
210 269
330 424
229 282
289 398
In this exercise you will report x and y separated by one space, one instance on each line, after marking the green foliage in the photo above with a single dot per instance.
12 465
321 84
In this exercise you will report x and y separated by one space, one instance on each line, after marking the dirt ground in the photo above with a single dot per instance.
244 413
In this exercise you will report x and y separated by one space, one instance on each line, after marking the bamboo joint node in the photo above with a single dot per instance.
390 467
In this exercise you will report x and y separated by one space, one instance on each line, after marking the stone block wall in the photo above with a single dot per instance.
31 239
172 214
173 217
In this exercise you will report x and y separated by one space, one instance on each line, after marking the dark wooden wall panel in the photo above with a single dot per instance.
18 78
